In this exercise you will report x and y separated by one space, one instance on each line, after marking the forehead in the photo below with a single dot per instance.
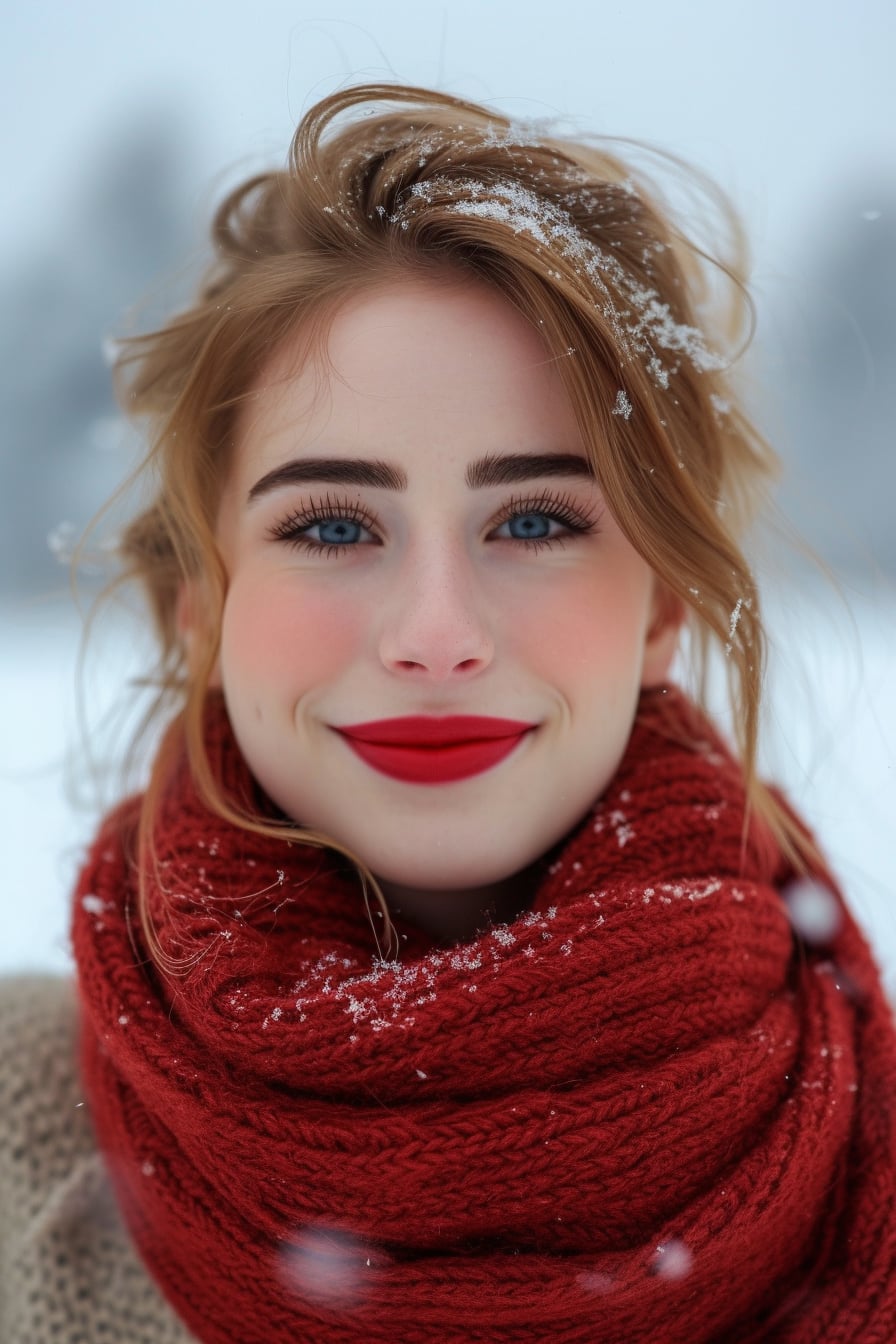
438 327
438 357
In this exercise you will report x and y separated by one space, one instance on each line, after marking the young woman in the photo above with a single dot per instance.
451 979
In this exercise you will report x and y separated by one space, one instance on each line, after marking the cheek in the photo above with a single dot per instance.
283 635
584 628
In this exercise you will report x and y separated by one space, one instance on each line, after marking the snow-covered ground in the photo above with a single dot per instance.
831 742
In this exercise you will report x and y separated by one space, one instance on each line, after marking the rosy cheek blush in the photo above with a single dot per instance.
306 632
557 630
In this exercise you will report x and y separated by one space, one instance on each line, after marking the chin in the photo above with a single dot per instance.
429 876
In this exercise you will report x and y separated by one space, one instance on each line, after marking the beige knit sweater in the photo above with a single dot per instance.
68 1271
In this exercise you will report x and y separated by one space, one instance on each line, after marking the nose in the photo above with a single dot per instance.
435 625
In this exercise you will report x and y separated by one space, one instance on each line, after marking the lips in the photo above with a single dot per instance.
421 750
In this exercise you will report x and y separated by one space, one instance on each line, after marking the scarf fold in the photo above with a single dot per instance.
658 1106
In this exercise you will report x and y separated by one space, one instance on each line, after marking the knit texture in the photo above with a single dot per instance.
69 1273
647 1109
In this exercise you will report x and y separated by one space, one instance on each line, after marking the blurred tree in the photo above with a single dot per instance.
127 221
832 370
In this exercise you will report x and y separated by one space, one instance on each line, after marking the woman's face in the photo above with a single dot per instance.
412 529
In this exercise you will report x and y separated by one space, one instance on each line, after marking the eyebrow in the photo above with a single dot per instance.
485 472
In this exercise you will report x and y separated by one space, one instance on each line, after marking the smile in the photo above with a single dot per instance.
423 750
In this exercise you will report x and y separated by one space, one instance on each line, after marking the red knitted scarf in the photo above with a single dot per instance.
648 1110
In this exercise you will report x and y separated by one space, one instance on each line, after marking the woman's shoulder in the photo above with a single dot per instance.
67 1267
38 1078
36 1011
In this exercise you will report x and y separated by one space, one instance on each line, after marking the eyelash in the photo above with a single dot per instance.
290 528
559 508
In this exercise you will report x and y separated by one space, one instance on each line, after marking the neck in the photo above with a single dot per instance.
457 916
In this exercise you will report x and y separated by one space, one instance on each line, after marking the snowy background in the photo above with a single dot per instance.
121 128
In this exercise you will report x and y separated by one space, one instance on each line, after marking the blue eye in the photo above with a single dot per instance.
530 526
338 531
340 527
544 521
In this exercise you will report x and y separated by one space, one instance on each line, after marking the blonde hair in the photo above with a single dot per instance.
386 180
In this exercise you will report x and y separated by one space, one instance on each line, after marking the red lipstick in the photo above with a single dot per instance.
422 750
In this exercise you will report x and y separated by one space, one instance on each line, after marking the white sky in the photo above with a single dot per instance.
779 99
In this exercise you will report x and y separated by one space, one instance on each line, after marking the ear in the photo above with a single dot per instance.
661 643
192 621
